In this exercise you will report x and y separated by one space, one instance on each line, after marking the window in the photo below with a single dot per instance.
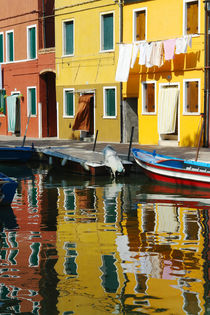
68 37
31 33
148 97
69 102
139 25
1 47
107 32
110 102
10 46
31 101
191 96
191 17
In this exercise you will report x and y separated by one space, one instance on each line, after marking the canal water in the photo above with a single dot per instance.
77 245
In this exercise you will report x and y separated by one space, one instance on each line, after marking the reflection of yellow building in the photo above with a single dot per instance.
87 33
165 260
88 266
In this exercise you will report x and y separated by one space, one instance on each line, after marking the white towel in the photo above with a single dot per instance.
149 55
142 56
157 54
134 54
181 45
124 62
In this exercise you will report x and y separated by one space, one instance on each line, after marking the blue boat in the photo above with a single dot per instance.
8 188
19 154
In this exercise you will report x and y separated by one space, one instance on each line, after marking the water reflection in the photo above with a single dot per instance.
72 245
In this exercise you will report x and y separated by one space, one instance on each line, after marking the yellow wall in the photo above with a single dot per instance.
88 68
165 21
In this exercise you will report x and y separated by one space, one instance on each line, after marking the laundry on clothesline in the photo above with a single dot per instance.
150 54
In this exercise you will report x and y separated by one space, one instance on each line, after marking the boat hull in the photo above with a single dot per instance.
19 154
173 175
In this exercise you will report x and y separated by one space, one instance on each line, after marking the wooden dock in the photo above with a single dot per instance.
80 161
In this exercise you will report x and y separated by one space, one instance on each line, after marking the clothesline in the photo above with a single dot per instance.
150 54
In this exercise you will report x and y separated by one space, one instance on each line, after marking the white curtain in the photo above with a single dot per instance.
11 112
167 109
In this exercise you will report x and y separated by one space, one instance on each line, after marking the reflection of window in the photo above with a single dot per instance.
139 25
110 102
31 42
107 31
31 100
69 102
191 100
1 47
191 17
109 277
70 259
69 201
34 257
148 95
68 37
10 46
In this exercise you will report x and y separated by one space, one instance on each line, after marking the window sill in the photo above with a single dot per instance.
106 51
109 117
66 116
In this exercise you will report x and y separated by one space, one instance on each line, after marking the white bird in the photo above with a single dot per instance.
112 160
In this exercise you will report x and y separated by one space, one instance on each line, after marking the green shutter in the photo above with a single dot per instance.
110 102
108 31
32 43
69 103
1 48
11 48
69 38
2 101
33 101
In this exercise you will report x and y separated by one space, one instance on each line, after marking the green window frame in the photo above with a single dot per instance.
32 42
110 102
69 102
68 29
3 101
32 101
107 31
1 47
10 46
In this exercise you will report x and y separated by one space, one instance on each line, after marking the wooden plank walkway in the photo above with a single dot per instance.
80 161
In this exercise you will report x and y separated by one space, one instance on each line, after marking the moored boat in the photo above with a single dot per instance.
173 170
19 154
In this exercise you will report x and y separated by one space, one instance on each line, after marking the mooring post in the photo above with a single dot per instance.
131 140
94 146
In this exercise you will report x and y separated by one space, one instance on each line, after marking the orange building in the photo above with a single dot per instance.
27 59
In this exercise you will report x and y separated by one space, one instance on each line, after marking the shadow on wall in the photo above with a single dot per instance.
192 141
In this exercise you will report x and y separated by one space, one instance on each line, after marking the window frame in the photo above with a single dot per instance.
104 102
102 14
185 17
134 24
65 115
143 98
8 46
64 38
29 104
28 42
185 113
2 33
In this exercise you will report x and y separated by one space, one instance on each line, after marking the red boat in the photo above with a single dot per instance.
173 170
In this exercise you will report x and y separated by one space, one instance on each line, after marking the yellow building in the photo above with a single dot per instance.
167 72
88 97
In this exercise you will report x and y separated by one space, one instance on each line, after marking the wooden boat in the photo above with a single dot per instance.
173 170
19 154
7 189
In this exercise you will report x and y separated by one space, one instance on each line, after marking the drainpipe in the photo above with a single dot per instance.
121 86
44 32
206 79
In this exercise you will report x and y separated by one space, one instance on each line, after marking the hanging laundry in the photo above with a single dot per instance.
142 54
189 40
149 55
157 54
134 54
169 47
181 45
124 62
